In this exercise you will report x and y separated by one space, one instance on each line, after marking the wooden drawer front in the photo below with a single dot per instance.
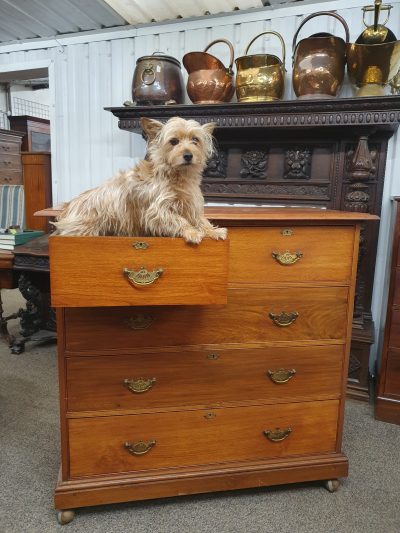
10 161
200 437
392 384
396 295
203 378
394 339
10 177
89 271
326 254
9 148
321 315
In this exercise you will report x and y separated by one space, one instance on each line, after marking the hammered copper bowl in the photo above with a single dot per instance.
209 81
210 86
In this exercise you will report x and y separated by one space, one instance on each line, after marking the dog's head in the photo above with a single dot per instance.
182 145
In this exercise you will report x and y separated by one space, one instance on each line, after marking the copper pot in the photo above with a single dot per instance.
157 80
319 61
209 81
260 77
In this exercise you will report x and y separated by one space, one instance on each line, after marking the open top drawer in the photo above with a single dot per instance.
120 271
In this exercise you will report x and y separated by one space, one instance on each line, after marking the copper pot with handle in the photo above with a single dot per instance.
319 61
157 80
209 81
260 77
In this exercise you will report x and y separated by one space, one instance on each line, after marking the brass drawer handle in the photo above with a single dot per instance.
287 258
139 321
284 319
139 385
142 276
140 447
277 435
281 375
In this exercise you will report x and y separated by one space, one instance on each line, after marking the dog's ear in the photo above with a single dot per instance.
150 127
209 127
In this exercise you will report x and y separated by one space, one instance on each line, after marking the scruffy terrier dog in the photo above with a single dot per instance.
160 196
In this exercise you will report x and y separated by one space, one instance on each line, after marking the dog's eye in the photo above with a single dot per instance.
174 141
195 140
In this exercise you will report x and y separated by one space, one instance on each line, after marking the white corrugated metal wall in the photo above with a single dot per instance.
89 72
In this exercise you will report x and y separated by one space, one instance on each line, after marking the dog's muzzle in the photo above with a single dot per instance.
187 157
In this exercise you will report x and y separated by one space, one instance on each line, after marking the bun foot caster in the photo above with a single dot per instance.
65 516
332 485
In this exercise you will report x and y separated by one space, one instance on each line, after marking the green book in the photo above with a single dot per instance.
14 239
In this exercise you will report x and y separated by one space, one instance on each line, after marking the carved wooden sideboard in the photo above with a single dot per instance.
308 153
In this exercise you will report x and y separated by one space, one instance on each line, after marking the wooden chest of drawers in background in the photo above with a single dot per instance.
387 405
10 157
162 395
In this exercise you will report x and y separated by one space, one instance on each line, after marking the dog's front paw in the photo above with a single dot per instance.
193 235
218 234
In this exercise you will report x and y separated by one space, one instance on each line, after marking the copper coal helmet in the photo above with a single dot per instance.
319 61
373 61
209 81
260 77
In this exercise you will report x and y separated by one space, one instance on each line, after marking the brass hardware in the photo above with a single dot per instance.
286 232
277 435
139 321
139 245
148 70
287 258
209 415
377 33
139 385
142 276
260 77
284 319
281 375
212 356
140 447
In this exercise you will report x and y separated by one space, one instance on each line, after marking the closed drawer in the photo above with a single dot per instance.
10 161
392 383
10 177
117 271
264 255
317 313
203 378
9 148
394 339
179 439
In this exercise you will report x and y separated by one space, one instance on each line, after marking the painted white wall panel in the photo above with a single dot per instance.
94 70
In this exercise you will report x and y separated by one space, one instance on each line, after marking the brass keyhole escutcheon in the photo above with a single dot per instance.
287 232
212 356
210 415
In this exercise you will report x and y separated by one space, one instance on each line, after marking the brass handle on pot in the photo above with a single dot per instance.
281 375
270 32
335 15
377 8
284 319
277 435
139 385
140 447
148 70
142 276
230 49
287 258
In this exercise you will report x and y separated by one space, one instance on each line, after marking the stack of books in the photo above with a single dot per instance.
8 241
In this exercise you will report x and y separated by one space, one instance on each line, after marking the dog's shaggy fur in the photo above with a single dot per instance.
160 196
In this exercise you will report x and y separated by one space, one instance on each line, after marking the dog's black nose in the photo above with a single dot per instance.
188 156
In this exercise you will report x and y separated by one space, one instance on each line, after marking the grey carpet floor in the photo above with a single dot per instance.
367 502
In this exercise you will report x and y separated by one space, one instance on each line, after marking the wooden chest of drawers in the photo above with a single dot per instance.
10 157
387 405
161 397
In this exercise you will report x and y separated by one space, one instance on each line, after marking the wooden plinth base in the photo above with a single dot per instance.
123 488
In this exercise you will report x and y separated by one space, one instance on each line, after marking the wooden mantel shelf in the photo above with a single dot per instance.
379 113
